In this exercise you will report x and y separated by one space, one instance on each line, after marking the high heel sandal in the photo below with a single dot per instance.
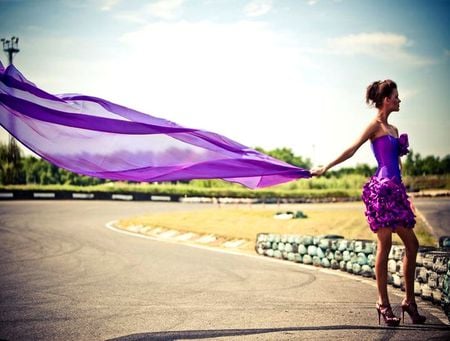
411 309
388 316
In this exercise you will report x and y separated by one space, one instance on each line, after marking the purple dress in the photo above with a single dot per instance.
384 195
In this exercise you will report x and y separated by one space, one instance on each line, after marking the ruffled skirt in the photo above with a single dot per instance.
387 204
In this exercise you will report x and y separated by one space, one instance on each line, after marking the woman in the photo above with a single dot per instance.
388 209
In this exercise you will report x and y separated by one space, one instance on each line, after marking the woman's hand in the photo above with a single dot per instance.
318 171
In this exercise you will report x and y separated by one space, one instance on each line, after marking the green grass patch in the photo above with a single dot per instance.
348 186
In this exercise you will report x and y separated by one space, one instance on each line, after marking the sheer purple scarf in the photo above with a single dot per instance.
94 137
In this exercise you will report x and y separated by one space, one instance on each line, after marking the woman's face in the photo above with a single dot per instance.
393 101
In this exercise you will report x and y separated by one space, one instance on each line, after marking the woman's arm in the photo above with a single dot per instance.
349 152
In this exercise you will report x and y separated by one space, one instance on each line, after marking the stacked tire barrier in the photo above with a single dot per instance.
432 277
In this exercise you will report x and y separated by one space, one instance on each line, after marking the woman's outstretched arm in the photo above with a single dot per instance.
349 152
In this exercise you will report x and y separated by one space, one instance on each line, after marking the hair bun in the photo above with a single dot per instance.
378 90
372 90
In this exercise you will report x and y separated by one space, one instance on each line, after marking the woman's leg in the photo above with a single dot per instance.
409 238
384 236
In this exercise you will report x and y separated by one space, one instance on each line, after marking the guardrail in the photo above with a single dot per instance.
432 277
140 196
70 195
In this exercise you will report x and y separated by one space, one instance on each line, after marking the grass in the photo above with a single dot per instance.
198 191
245 222
348 186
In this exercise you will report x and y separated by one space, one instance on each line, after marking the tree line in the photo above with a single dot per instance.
18 169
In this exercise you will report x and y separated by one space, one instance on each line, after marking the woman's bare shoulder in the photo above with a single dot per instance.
373 128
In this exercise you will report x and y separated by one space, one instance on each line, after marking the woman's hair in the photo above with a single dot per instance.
377 91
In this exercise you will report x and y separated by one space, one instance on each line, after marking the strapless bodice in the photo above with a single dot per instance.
387 149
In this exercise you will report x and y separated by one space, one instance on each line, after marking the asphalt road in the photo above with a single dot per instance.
437 213
64 276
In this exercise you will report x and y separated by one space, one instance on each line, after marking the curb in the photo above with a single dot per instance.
163 234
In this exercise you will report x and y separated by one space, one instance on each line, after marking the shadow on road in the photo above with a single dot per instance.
203 334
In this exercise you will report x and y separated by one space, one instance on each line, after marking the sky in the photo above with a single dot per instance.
266 73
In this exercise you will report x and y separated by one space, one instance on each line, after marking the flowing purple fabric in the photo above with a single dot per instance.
94 137
384 195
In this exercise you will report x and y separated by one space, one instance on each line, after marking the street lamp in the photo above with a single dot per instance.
10 46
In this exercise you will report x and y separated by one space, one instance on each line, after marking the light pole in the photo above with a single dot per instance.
11 46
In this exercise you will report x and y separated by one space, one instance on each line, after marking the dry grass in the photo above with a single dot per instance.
245 221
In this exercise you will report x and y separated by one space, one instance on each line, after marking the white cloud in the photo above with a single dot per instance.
379 45
258 8
408 93
315 2
133 17
107 5
165 9
359 43
162 9
220 77
103 5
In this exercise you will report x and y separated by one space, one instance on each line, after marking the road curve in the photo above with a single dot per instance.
64 276
436 212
